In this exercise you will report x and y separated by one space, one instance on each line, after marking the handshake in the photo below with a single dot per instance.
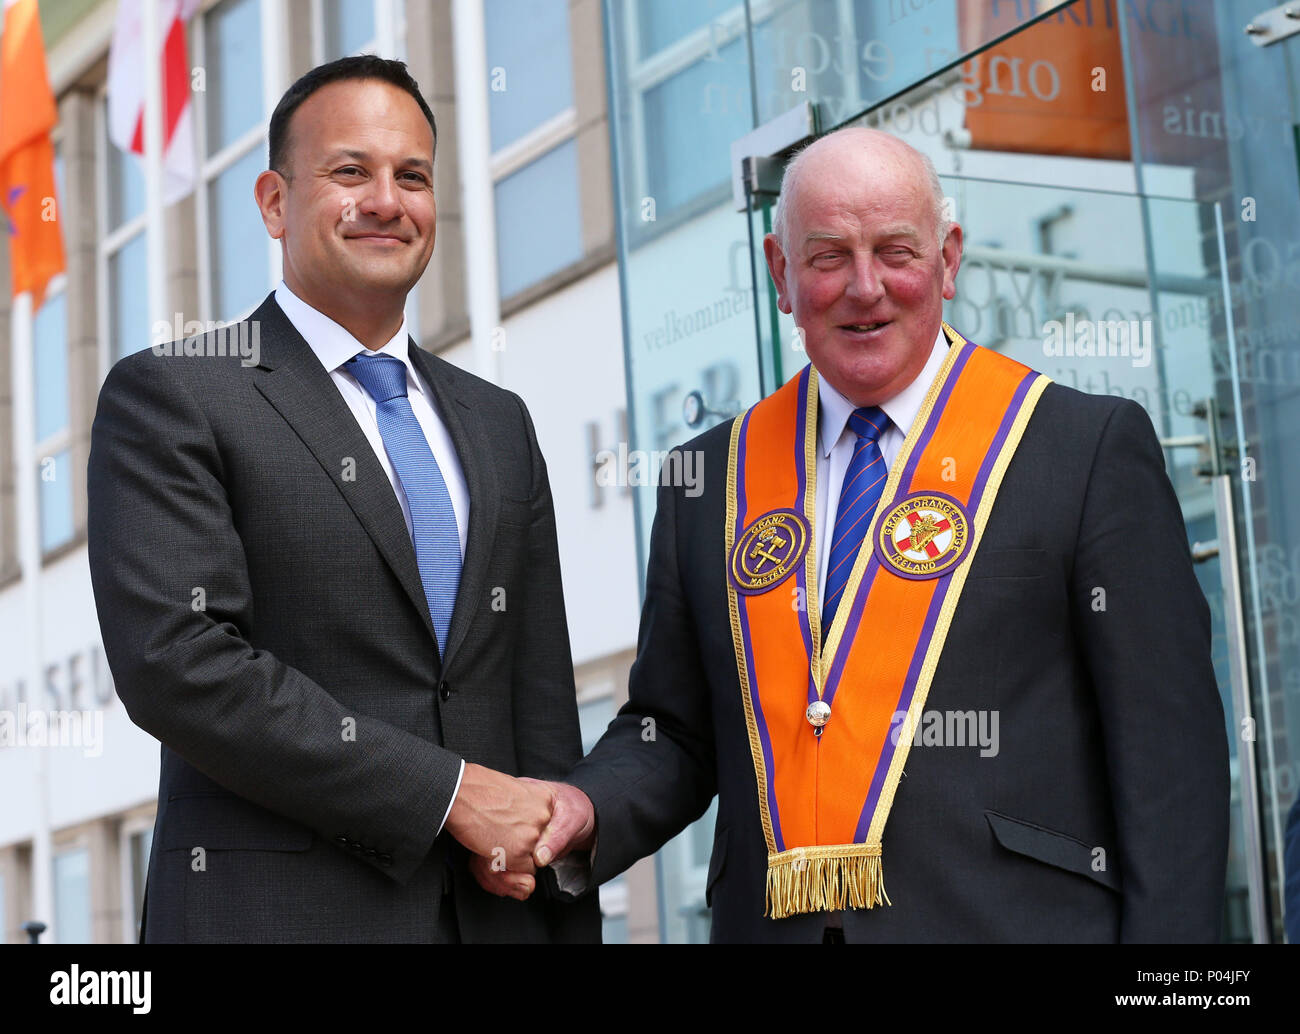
513 826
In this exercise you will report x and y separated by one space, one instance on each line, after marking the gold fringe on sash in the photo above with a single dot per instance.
824 879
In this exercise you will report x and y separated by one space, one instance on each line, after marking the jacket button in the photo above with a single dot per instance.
370 852
341 839
444 690
385 859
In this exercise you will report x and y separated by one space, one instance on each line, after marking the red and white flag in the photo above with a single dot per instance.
126 89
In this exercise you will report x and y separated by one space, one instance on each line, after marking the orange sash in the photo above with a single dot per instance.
825 794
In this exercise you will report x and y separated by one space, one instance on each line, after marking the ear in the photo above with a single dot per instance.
776 266
269 191
951 260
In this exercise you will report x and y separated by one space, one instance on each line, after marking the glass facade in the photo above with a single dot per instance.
1126 163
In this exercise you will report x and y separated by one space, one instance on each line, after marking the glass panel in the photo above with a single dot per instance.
233 45
529 69
349 26
72 897
240 264
127 302
1040 262
1219 115
686 167
664 22
55 473
50 333
849 56
125 183
1000 100
539 220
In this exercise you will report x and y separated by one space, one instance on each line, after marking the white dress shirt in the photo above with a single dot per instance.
836 442
334 346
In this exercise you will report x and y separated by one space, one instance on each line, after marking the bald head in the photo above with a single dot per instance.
861 155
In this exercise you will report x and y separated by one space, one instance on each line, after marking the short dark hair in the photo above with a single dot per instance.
358 66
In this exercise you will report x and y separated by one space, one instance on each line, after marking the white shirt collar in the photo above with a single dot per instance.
332 344
833 409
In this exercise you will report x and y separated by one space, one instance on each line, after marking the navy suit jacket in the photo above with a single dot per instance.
1111 730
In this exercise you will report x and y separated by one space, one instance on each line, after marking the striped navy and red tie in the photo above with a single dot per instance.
863 482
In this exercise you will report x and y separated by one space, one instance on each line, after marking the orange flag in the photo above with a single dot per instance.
27 114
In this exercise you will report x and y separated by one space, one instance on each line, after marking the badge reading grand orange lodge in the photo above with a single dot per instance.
768 551
924 536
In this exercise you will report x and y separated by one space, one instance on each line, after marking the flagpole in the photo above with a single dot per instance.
155 242
21 340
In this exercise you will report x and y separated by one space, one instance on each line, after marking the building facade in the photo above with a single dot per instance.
605 173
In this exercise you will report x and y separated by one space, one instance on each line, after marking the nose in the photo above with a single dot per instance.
382 200
865 285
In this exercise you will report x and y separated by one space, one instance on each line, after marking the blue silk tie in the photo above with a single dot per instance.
433 521
863 482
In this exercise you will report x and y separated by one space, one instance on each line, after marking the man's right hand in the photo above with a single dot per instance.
495 812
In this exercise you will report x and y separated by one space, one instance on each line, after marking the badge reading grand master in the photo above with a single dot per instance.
768 551
924 536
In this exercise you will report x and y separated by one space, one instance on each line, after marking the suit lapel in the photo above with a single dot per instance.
294 382
471 438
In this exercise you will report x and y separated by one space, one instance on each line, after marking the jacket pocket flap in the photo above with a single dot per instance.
1051 848
228 823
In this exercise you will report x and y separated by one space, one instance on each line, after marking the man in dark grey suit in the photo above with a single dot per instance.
327 577
1098 809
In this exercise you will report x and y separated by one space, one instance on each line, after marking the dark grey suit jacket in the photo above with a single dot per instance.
263 616
1111 731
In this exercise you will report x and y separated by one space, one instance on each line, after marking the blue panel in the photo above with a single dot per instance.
539 221
528 54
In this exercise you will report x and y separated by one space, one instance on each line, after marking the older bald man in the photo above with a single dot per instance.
930 632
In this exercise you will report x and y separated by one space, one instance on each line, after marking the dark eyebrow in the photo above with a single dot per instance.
362 156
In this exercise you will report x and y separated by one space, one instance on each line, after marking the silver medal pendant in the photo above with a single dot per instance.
818 714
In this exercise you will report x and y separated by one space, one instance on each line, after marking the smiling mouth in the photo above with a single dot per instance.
864 328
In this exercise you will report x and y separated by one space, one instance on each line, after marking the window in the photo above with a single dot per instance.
539 222
687 72
347 27
534 154
235 251
122 248
72 896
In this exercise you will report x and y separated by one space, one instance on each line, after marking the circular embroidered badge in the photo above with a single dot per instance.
768 551
924 536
